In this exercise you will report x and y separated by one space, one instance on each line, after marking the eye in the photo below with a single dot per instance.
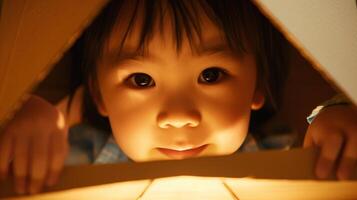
211 75
140 80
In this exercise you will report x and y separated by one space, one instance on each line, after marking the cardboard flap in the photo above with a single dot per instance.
324 31
274 173
267 164
33 36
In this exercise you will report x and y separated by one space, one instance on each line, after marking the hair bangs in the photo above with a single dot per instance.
185 22
238 20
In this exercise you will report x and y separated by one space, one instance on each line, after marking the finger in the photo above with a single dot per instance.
20 165
308 140
39 163
330 149
59 150
348 162
6 148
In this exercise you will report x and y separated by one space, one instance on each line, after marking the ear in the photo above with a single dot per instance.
97 98
100 106
258 99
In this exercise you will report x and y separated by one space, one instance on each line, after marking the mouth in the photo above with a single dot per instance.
182 154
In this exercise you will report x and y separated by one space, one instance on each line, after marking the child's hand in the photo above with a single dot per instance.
334 130
35 142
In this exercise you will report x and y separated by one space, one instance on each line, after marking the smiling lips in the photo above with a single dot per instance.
182 154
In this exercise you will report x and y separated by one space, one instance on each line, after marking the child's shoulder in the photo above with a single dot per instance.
89 144
273 141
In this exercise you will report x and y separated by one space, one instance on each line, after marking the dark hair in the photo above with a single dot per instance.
240 20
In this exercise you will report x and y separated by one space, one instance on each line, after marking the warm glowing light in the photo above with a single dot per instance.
276 176
193 187
187 187
252 189
118 191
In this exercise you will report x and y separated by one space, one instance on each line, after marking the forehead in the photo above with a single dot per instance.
166 28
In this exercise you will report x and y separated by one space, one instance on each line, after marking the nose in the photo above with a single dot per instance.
178 109
179 119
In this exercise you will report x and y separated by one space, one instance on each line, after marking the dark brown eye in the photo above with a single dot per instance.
141 80
211 75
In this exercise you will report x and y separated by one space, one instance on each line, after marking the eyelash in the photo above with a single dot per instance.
221 75
133 78
149 82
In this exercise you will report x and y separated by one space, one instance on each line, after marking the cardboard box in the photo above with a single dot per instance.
322 30
28 50
263 175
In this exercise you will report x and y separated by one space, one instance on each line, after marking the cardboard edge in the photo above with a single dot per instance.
272 164
27 92
305 53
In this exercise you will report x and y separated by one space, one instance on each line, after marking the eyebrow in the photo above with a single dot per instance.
212 48
207 49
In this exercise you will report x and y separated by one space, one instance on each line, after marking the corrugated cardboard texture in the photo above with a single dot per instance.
325 31
33 36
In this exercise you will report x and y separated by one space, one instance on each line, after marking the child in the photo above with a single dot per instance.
175 79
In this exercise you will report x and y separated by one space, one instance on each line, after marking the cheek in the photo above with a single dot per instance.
227 111
228 103
125 107
228 125
131 118
132 129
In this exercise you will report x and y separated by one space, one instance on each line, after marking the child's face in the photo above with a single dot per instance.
174 105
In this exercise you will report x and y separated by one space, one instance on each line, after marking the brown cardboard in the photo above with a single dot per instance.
325 33
26 58
33 36
0 7
269 171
